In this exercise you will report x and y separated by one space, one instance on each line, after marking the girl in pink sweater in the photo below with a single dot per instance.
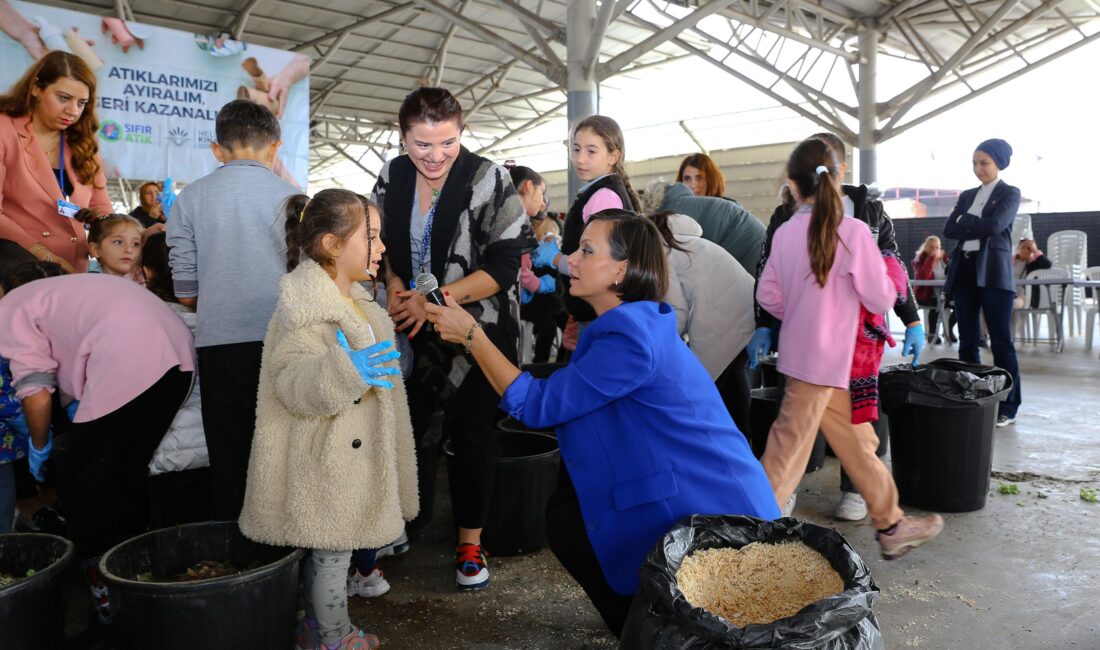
823 267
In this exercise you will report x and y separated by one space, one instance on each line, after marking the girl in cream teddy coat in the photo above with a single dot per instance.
333 467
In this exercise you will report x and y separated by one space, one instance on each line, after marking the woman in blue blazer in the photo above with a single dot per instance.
645 437
979 276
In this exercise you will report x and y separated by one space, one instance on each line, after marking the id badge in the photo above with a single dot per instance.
66 209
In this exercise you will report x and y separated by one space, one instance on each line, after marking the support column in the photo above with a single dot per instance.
582 88
868 106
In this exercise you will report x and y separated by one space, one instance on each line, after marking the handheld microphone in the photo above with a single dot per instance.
428 286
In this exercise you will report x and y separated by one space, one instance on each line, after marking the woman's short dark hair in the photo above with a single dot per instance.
635 239
429 106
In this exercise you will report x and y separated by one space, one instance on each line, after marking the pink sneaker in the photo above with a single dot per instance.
308 638
909 533
357 640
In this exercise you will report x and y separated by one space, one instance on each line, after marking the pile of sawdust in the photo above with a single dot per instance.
758 583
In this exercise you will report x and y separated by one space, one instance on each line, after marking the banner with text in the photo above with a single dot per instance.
159 90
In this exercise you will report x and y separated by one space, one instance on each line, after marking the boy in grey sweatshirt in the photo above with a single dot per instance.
228 251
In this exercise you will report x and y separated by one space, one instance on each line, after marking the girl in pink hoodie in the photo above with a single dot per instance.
822 269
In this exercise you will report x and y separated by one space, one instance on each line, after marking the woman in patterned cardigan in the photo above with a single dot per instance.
455 215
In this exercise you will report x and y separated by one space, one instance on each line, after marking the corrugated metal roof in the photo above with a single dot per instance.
368 54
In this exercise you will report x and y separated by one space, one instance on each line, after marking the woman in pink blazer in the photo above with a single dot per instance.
48 118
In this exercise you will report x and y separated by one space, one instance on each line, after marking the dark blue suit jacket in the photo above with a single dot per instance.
644 436
993 229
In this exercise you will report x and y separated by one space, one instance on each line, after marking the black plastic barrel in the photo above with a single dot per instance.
254 609
769 371
941 431
515 426
542 370
763 412
32 609
527 474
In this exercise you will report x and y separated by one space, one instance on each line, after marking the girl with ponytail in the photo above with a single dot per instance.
822 270
333 465
598 153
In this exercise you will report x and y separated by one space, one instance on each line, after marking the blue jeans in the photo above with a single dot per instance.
971 302
7 497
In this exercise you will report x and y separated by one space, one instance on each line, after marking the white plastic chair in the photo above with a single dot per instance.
1050 298
1068 249
1092 305
1021 228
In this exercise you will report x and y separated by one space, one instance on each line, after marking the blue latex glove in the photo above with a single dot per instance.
547 284
71 409
914 342
760 345
167 197
525 296
369 360
543 256
37 457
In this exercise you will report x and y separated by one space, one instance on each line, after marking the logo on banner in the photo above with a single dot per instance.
110 131
203 138
178 136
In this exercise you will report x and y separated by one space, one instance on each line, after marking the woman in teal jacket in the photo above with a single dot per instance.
645 437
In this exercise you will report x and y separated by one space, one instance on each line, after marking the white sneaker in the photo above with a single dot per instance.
372 585
399 546
788 508
852 507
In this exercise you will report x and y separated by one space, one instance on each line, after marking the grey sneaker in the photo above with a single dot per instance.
909 533
788 508
852 507
399 546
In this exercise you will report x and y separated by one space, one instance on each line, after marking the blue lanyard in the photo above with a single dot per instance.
61 164
426 241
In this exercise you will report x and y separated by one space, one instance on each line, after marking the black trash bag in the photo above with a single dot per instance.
661 617
946 383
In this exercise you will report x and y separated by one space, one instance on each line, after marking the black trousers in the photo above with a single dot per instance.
733 386
230 377
569 542
971 303
102 466
470 416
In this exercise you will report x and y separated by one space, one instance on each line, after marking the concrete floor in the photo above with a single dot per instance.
1022 573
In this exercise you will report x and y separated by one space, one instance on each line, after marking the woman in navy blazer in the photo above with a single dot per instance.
979 276
645 437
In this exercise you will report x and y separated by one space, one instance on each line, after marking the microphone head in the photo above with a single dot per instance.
426 283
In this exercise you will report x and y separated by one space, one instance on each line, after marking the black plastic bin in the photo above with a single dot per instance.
515 426
32 610
254 609
763 412
527 474
942 416
543 370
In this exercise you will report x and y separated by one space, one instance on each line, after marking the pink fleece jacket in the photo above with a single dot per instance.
97 338
818 335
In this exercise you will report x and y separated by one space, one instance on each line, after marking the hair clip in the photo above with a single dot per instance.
301 215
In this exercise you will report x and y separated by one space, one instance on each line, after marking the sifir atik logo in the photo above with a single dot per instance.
178 136
110 131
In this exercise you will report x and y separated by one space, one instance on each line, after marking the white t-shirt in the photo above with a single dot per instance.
980 199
